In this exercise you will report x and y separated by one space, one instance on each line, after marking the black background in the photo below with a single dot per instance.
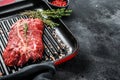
96 25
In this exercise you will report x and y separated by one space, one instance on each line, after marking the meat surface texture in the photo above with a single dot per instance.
24 42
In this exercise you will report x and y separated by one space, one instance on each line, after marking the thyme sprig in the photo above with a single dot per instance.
25 29
48 15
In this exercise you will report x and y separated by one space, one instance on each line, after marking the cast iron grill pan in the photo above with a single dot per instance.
59 42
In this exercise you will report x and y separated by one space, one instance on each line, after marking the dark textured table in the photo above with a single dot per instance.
96 25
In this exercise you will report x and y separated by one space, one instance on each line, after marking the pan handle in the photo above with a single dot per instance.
45 70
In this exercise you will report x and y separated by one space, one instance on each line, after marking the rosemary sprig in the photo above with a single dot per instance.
25 29
48 15
50 23
57 13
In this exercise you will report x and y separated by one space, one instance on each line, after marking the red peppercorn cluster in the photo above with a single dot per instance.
60 3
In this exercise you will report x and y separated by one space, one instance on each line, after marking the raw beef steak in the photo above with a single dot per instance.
24 42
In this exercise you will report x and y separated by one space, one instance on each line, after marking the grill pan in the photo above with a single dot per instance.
60 44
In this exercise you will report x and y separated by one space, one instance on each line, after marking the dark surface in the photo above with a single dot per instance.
96 25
